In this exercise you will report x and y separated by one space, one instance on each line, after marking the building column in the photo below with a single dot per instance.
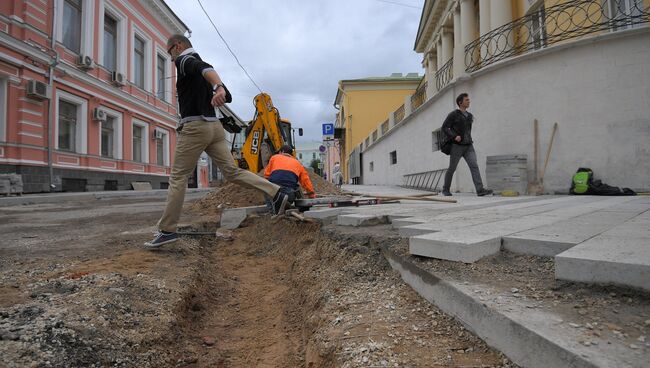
468 29
484 16
440 60
459 54
500 14
431 74
447 44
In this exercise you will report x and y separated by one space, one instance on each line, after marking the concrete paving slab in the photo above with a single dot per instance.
462 219
477 241
322 213
556 238
361 220
617 256
231 218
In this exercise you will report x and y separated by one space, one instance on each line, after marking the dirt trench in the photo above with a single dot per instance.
281 294
286 294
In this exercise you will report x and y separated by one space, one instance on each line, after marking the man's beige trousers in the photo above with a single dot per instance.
193 139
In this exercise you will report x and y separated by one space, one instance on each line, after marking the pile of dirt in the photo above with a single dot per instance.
230 195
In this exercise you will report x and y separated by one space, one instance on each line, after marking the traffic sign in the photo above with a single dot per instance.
322 148
328 129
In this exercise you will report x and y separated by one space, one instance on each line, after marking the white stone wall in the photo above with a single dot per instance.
598 90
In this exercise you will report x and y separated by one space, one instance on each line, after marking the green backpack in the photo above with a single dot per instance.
581 180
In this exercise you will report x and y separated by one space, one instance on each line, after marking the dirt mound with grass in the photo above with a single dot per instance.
230 195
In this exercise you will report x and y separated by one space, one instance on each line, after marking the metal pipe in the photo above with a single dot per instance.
50 104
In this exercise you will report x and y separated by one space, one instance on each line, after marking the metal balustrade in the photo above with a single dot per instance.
551 25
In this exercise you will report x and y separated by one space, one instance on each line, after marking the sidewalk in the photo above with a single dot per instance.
501 265
89 196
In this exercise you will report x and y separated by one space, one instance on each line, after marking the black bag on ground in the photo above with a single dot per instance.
583 183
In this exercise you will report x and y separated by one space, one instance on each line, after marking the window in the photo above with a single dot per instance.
372 166
107 137
162 147
71 125
300 156
160 152
110 43
437 138
160 76
67 126
374 136
137 143
393 157
72 25
625 13
138 61
313 156
537 27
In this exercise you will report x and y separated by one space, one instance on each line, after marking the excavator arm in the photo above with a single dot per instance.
267 120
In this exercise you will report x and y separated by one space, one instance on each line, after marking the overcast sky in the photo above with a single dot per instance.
298 50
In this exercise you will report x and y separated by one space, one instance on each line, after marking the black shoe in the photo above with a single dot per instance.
484 192
446 193
161 238
280 202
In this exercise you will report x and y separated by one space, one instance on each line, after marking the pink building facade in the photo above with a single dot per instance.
87 96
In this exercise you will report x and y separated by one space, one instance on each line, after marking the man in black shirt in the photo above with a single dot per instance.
458 128
200 90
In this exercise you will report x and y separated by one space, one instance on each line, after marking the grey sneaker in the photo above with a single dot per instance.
280 202
161 238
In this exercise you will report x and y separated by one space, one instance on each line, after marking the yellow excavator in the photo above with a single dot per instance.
265 135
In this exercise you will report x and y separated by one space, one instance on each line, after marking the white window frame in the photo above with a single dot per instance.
3 109
168 74
106 7
87 25
148 51
145 137
118 137
165 138
81 142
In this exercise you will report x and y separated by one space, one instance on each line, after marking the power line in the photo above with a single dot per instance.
228 46
400 4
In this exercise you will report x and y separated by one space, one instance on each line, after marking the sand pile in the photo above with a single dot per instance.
230 195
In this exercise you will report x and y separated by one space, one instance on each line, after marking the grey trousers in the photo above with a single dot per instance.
468 153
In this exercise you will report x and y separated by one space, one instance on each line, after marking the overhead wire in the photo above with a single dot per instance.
228 47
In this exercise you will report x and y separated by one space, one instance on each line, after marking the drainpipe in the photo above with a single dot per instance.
50 105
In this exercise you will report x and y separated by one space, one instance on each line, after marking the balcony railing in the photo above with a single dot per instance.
445 74
419 97
399 114
551 25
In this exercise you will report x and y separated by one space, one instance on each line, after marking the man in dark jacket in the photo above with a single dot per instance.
200 90
458 128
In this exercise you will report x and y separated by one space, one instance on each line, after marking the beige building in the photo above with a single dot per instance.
361 104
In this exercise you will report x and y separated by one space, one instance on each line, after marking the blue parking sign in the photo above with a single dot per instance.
328 129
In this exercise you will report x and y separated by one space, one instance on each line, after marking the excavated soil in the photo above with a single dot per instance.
281 294
230 195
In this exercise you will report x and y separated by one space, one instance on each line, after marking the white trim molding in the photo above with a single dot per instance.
3 109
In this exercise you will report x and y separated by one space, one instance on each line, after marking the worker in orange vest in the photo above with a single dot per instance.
287 172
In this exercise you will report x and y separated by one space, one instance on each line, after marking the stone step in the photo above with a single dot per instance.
477 241
556 238
618 256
